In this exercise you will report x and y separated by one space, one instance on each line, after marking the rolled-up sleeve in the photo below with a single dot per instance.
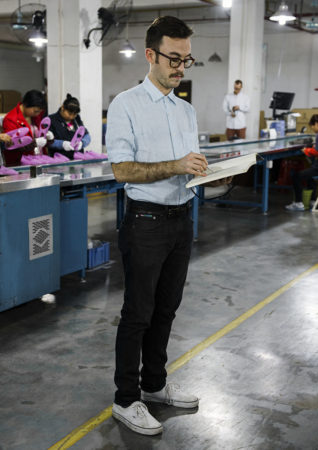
120 140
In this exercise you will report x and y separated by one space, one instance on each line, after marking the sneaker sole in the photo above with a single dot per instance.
175 403
136 428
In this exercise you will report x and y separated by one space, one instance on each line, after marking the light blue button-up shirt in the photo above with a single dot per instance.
144 125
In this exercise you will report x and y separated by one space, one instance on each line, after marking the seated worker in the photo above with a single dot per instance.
24 115
307 174
64 124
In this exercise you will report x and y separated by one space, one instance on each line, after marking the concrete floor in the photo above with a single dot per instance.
257 384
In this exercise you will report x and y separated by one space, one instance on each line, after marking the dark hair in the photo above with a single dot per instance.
71 104
166 26
238 82
313 120
34 98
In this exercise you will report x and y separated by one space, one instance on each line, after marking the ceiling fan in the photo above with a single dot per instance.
112 21
28 23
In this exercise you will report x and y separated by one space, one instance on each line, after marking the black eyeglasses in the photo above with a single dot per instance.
176 62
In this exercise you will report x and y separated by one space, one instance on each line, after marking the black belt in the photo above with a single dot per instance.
135 206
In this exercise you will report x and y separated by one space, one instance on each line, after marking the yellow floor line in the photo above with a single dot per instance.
91 424
98 194
235 323
82 430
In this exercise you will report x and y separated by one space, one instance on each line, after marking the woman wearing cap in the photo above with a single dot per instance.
64 124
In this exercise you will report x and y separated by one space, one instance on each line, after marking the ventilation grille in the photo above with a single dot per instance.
40 236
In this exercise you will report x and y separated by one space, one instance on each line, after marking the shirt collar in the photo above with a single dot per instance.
155 93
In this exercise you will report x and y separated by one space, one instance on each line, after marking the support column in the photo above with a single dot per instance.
245 60
71 68
313 80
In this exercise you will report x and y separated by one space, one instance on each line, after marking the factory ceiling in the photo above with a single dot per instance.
193 11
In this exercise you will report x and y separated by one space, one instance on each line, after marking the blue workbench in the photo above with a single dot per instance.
29 238
76 180
268 149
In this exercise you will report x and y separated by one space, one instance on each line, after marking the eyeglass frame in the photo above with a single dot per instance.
190 58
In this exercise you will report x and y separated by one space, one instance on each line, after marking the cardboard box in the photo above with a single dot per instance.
303 120
8 100
217 138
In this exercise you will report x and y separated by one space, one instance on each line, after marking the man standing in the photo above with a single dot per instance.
152 143
236 106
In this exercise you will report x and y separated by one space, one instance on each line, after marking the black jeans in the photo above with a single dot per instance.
155 244
304 175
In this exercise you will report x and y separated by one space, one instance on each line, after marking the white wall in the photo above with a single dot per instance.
209 83
289 63
19 71
288 68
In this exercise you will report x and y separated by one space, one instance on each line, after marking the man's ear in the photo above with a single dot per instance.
150 55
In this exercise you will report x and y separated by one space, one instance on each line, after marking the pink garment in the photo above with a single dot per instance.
78 156
46 159
19 141
29 160
35 160
78 136
60 158
89 155
94 155
18 132
44 127
7 171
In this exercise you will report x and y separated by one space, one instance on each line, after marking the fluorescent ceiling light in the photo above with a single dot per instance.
227 3
282 15
38 38
127 49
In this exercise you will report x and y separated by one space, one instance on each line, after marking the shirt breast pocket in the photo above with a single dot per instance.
190 142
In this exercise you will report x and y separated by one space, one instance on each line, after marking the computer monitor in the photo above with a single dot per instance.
281 100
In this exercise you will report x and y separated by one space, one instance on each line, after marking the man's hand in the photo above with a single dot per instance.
193 163
235 108
220 182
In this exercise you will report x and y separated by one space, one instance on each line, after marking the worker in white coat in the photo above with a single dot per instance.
236 105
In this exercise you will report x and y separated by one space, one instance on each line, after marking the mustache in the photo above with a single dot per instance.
177 74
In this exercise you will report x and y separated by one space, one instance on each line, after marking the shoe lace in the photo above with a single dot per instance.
172 387
140 409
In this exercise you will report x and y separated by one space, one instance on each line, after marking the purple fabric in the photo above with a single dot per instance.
18 132
28 160
18 142
78 136
35 160
44 127
60 158
7 171
95 155
78 156
89 155
46 159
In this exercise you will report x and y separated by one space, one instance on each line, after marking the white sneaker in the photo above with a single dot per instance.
137 418
295 206
171 394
